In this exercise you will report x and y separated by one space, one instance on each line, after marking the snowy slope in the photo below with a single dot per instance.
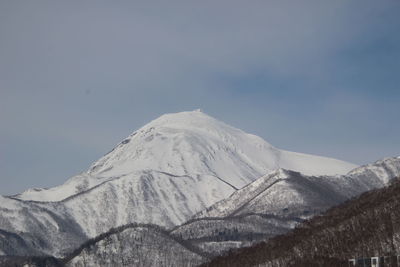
379 172
148 197
28 228
195 143
285 192
72 186
276 203
217 235
170 169
163 173
144 246
192 143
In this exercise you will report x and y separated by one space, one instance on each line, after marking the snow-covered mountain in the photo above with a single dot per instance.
163 173
276 203
365 226
285 192
191 144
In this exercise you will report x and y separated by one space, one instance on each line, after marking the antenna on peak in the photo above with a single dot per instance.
198 110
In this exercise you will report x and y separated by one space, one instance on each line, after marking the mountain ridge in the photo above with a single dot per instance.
362 227
280 200
191 143
163 173
366 177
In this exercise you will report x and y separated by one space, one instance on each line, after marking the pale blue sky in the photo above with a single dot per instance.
76 77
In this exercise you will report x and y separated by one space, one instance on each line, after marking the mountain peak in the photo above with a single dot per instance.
189 142
194 143
197 146
185 119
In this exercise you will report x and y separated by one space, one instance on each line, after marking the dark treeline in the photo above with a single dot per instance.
366 226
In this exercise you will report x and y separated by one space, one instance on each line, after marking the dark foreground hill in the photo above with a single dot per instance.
143 245
366 226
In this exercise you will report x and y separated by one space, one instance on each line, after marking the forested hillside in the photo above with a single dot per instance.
136 245
366 226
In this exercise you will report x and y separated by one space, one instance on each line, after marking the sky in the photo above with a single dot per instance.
311 76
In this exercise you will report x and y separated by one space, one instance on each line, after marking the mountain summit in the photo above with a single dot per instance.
163 173
196 145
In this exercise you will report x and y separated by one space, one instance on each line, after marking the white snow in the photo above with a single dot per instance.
164 173
8 203
194 144
282 189
71 187
149 197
